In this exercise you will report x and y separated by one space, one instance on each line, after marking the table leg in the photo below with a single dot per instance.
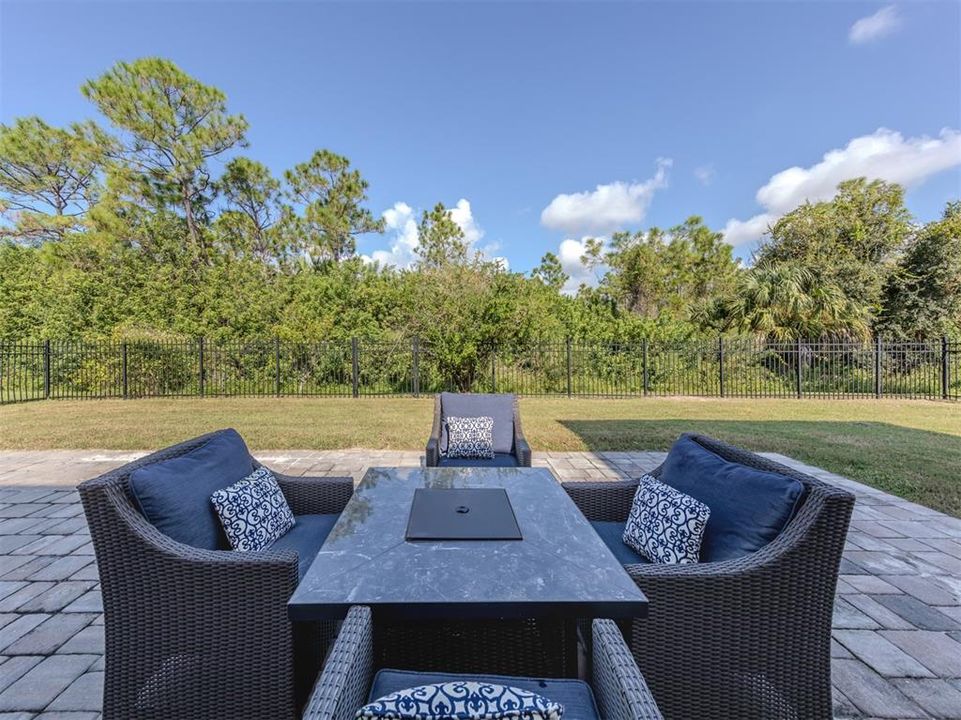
584 633
571 652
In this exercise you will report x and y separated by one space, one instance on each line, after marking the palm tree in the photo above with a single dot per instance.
786 302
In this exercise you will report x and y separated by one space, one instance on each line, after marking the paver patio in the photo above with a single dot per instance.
897 623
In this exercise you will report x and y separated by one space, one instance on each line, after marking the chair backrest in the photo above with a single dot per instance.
823 507
498 406
120 477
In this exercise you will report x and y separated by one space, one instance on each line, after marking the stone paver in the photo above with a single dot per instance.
896 647
938 697
85 693
936 651
47 637
922 616
882 656
45 682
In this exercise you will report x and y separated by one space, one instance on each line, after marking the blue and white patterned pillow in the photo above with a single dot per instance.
665 525
470 437
253 511
462 700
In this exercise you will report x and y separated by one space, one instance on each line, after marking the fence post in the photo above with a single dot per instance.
877 367
493 368
415 365
200 359
277 365
720 363
355 366
46 369
944 367
570 367
798 375
644 365
123 369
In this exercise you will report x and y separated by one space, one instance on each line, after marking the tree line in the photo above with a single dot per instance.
155 224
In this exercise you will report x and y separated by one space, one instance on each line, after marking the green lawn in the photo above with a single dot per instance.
911 448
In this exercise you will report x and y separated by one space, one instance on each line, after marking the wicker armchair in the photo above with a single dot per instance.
745 638
520 451
200 633
345 682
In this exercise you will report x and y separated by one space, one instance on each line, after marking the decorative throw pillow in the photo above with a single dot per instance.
253 511
665 525
462 700
470 437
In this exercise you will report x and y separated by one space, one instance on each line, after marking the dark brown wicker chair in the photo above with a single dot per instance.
744 638
342 688
194 633
521 451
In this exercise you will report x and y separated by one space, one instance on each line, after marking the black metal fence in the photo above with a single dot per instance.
722 367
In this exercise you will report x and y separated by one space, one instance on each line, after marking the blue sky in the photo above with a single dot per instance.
523 110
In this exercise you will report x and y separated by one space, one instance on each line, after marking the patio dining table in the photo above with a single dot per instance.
559 569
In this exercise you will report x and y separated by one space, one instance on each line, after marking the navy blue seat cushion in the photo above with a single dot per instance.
498 407
499 460
306 537
574 695
749 507
612 533
174 495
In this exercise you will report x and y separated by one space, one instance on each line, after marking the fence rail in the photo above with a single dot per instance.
720 367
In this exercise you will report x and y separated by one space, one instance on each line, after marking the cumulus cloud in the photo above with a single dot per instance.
883 155
745 232
462 215
569 252
704 174
401 226
607 207
874 27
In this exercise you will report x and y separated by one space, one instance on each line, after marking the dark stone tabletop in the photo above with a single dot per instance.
561 568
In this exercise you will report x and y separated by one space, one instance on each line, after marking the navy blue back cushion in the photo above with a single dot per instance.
749 507
174 495
499 407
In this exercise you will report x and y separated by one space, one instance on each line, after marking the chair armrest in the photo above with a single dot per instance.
432 451
618 684
522 451
603 501
344 683
316 495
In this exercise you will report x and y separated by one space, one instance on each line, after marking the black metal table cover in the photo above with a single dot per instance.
560 569
462 514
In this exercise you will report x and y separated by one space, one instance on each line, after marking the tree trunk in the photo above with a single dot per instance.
195 235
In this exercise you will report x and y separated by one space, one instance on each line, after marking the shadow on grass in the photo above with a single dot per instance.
920 465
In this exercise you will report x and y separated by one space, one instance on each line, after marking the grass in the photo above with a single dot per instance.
910 448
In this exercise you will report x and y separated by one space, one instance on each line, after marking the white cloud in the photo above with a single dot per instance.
884 155
401 226
569 253
462 215
745 232
607 207
874 27
705 174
